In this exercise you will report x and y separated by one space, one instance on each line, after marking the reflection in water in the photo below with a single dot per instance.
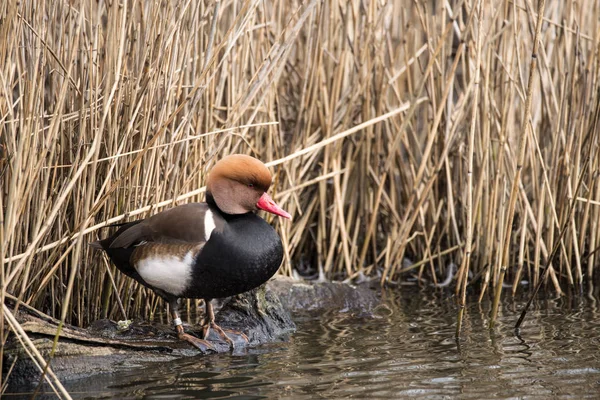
407 349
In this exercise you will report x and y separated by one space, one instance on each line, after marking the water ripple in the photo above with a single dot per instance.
409 352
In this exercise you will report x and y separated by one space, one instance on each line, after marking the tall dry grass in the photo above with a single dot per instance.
394 129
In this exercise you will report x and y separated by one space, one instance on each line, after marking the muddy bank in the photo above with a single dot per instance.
264 315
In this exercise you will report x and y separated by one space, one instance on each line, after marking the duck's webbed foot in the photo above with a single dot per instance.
201 344
209 323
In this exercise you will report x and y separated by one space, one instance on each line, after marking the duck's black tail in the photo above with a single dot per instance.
97 245
100 244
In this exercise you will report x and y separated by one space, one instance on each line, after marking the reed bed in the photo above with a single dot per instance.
409 139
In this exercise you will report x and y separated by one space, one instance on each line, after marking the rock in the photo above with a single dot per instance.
259 313
304 297
263 314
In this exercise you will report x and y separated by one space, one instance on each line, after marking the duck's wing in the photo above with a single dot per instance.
191 223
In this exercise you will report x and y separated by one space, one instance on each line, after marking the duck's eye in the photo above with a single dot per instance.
251 185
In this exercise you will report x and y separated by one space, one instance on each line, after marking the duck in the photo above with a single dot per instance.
209 250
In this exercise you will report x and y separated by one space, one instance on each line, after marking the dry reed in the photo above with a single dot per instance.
407 137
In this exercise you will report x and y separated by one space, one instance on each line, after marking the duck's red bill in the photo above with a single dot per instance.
267 204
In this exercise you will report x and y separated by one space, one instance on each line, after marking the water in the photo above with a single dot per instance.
407 350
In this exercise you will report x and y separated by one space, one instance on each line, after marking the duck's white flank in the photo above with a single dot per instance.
169 273
209 224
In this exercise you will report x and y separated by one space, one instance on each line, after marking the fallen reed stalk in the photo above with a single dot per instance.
35 355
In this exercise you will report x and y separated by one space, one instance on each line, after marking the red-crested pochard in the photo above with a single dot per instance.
205 250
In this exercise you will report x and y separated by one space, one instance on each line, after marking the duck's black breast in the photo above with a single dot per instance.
242 255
